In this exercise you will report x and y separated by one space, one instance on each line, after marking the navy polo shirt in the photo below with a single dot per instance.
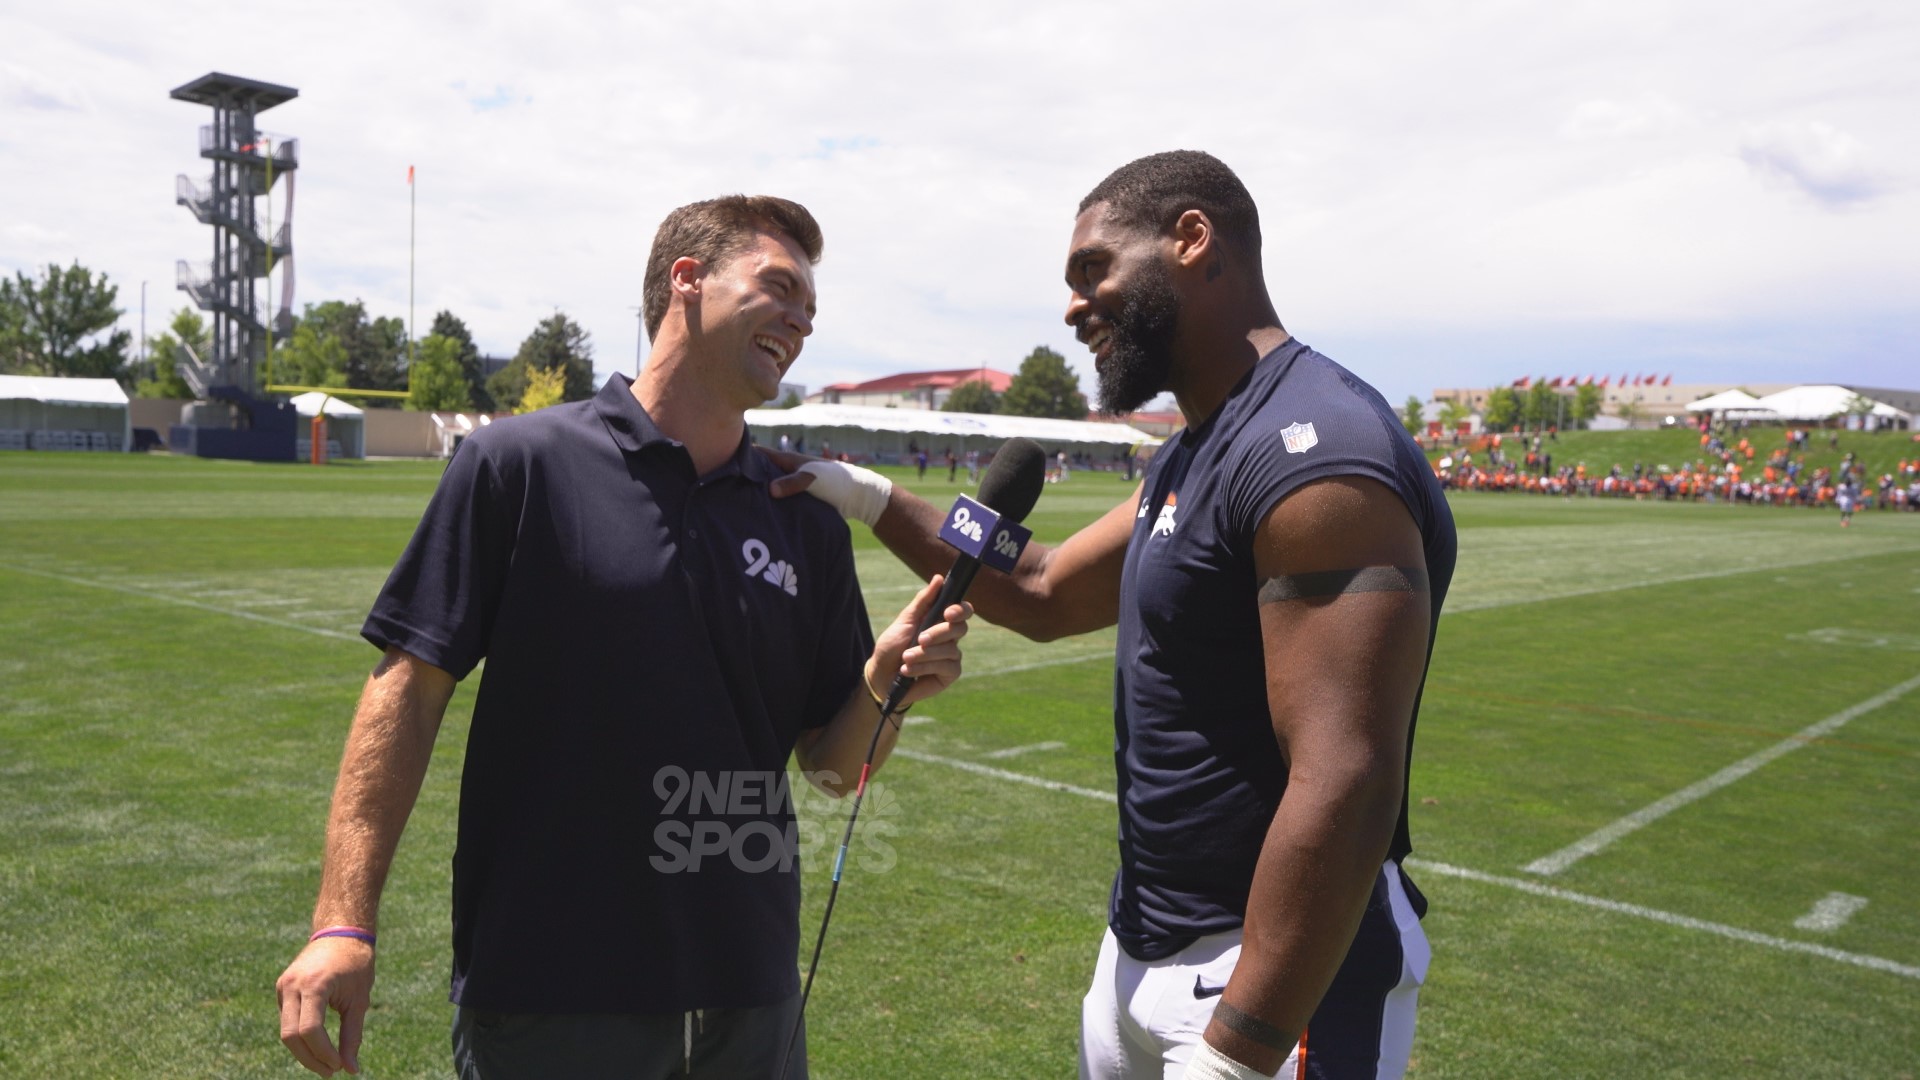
1200 773
654 644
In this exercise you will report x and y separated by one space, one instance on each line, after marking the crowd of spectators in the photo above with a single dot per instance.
1731 472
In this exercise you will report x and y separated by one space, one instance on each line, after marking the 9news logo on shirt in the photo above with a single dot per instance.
776 572
732 815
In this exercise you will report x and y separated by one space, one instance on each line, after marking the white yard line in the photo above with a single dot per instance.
1016 751
1831 912
1001 774
184 602
1468 605
1104 654
1874 963
1684 922
1601 838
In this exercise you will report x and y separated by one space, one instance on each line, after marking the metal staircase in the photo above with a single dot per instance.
248 164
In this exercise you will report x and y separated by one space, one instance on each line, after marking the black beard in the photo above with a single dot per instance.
1140 357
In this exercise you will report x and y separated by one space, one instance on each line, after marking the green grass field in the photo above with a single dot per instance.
179 659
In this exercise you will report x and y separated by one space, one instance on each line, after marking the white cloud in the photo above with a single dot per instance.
29 89
1648 115
1818 159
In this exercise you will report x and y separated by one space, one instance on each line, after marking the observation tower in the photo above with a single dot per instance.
233 417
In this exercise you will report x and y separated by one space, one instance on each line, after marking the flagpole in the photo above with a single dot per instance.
413 217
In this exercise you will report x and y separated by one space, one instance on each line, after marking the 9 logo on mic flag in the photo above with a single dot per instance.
975 529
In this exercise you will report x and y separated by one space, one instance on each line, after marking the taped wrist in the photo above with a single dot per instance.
859 494
1210 1064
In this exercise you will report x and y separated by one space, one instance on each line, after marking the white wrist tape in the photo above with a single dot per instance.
859 494
1210 1064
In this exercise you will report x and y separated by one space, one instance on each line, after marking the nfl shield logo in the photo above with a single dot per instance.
1299 438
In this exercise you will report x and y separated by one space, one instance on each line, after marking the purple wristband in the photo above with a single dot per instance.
353 932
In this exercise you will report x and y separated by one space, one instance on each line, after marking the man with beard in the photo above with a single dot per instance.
1277 580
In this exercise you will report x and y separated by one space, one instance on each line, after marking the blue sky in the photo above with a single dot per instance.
1452 194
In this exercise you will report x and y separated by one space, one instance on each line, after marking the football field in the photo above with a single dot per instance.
1666 792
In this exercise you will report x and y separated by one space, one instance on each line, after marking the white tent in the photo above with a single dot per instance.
48 413
1722 401
346 425
885 433
1817 403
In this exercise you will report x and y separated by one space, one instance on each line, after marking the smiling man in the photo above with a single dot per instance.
1277 580
660 637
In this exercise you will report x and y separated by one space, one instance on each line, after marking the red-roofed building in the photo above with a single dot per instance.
910 390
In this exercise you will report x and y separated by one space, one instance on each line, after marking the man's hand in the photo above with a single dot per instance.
832 756
332 973
859 494
380 774
794 481
1055 592
930 656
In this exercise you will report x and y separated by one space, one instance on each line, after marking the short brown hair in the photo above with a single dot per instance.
715 230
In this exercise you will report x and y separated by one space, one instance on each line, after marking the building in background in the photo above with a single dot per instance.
910 390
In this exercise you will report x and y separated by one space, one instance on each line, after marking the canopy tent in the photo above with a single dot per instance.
1735 399
1817 403
884 434
49 413
346 425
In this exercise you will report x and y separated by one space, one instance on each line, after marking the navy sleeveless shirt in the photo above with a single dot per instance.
1200 774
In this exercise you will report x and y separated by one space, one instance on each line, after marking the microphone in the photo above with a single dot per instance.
987 530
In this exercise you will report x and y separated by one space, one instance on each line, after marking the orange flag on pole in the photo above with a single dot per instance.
409 176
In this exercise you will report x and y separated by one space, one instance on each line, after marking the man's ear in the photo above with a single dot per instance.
685 277
1194 242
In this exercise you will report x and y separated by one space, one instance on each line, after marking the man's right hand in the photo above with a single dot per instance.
332 973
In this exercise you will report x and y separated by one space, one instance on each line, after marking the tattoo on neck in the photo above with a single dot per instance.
1407 579
1253 1028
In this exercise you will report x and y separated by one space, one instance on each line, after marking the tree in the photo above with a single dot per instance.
1453 414
1045 386
448 325
1415 420
13 338
791 401
1586 403
1629 411
558 343
435 381
1542 405
53 325
545 386
312 357
161 377
336 344
1503 409
972 396
1858 405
